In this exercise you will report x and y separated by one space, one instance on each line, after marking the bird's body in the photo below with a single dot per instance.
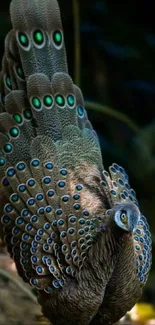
74 231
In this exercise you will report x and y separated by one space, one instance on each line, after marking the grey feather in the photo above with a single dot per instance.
75 231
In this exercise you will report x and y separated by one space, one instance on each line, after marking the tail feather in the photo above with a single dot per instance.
39 36
45 135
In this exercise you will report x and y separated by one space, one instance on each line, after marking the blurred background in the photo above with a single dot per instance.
111 55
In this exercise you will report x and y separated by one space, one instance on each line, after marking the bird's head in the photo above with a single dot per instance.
126 216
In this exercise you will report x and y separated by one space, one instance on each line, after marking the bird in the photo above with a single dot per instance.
73 229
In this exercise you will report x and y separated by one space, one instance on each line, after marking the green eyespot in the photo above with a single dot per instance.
8 81
27 114
36 102
18 118
20 72
38 37
8 147
71 100
2 161
23 39
57 38
60 100
48 101
14 132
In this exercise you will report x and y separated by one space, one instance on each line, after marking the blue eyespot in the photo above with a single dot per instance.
76 196
5 181
63 172
76 206
80 111
31 182
59 212
5 219
29 227
31 201
71 231
41 211
14 198
20 220
25 212
65 198
39 196
8 208
79 187
72 219
39 269
21 166
48 209
56 284
113 192
85 213
11 172
63 234
81 221
47 180
50 193
61 184
60 222
49 165
35 162
46 226
22 188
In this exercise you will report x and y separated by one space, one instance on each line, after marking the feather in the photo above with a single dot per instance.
74 230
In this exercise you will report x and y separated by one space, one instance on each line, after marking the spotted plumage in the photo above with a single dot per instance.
74 230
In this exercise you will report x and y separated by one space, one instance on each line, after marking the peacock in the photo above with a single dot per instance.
74 230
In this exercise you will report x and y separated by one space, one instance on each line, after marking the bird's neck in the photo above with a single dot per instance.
103 255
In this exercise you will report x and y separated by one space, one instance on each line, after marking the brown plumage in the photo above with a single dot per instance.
74 231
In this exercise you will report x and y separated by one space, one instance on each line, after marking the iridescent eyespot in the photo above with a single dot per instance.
14 132
38 38
20 72
14 197
61 184
35 162
11 172
8 147
60 101
21 166
79 187
48 101
27 114
63 172
57 38
124 217
18 118
8 81
80 111
50 193
22 188
36 103
71 100
23 40
49 165
2 161
31 182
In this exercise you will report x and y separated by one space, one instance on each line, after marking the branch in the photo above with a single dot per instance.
115 114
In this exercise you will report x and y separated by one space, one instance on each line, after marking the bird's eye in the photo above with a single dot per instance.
124 218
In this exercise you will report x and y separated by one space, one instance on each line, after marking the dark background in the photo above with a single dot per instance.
117 70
